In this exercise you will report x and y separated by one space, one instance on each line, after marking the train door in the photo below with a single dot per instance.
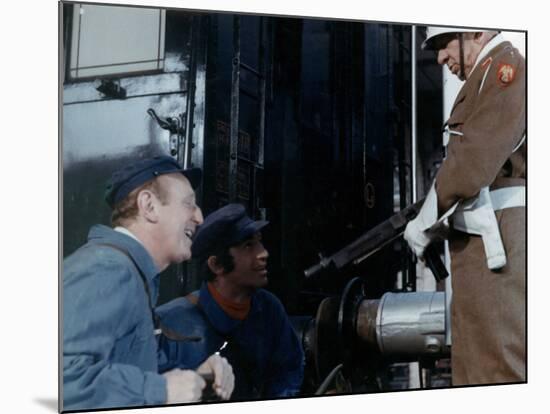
130 78
235 114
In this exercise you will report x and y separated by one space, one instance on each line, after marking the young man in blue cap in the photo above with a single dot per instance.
234 315
110 285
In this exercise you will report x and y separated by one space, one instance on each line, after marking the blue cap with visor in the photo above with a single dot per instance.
127 179
225 227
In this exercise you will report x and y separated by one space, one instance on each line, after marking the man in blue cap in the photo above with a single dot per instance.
111 283
234 315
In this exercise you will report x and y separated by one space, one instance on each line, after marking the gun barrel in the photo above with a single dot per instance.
370 242
323 264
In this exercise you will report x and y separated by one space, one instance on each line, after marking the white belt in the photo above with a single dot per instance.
508 197
477 216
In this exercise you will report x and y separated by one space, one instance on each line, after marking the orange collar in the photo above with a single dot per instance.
234 310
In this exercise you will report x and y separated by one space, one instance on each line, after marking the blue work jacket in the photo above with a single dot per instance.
109 348
263 349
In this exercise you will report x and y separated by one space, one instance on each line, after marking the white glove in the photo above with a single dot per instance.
183 386
421 231
224 380
417 238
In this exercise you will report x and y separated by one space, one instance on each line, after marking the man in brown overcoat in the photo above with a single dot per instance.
479 191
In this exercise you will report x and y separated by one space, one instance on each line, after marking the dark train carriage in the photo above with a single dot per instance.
307 122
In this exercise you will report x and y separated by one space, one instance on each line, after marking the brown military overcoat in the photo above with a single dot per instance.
488 307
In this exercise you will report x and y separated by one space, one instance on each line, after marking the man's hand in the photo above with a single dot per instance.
426 226
183 386
417 238
224 380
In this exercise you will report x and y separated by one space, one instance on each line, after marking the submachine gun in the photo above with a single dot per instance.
377 238
407 326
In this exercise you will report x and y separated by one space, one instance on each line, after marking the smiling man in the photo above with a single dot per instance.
111 283
480 186
233 314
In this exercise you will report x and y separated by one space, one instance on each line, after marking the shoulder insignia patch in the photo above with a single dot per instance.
506 74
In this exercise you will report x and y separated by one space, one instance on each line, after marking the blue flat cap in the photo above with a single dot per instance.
225 227
127 179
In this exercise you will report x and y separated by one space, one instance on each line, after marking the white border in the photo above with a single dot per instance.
29 203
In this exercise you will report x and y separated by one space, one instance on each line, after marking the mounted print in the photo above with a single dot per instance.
263 207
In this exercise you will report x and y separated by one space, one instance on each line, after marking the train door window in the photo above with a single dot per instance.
110 40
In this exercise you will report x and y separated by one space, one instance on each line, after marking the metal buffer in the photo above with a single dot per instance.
351 329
